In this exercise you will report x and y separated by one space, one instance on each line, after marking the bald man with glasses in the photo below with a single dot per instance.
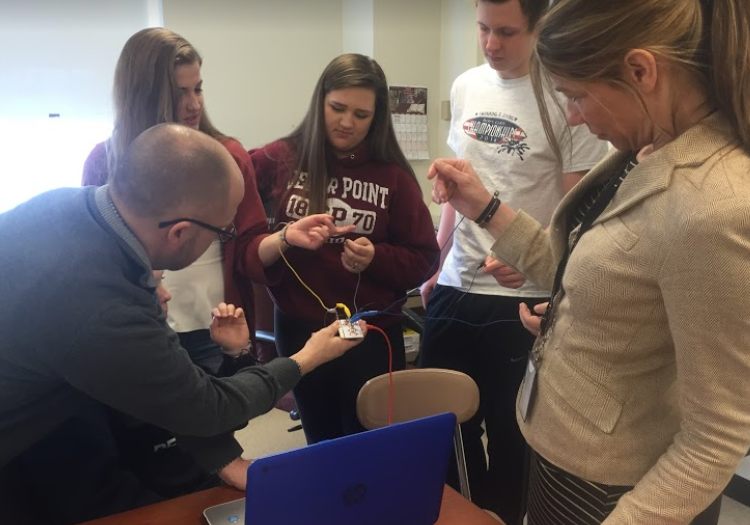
80 320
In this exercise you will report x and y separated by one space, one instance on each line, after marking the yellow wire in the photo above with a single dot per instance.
303 282
345 308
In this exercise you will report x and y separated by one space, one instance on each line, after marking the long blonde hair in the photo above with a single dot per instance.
145 88
586 40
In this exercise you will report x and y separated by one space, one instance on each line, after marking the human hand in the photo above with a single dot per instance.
358 254
229 328
325 345
313 231
455 181
427 287
532 323
235 474
504 275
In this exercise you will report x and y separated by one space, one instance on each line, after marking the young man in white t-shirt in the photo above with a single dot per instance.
472 323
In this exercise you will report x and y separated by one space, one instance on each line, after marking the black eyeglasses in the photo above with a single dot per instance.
225 234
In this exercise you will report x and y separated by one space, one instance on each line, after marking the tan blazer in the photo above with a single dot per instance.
645 379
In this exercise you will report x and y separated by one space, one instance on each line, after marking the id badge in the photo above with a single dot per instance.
527 390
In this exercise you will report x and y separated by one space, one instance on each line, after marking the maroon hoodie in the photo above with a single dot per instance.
385 204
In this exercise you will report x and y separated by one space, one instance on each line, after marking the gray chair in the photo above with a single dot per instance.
420 393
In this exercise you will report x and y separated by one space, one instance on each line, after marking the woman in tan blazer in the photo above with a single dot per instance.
637 400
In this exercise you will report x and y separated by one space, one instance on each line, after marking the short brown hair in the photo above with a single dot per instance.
533 10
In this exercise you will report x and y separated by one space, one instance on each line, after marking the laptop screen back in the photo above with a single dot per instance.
392 475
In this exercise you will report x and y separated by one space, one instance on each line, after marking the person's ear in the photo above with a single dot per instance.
640 70
177 232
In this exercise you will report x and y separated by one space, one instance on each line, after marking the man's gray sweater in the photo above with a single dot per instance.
79 318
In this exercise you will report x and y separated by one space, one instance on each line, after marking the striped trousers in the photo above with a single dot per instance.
556 497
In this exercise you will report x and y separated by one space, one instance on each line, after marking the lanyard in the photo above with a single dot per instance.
605 196
597 207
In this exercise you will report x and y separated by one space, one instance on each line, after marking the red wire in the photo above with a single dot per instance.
390 371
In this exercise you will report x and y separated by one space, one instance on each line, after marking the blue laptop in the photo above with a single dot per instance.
392 475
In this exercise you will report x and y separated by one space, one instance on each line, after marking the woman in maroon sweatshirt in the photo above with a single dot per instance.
343 159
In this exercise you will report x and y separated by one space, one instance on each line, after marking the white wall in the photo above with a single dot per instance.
407 47
358 26
58 58
261 59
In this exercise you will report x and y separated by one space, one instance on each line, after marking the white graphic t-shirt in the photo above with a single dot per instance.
496 125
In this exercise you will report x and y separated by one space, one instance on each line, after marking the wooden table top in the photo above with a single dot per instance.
188 510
